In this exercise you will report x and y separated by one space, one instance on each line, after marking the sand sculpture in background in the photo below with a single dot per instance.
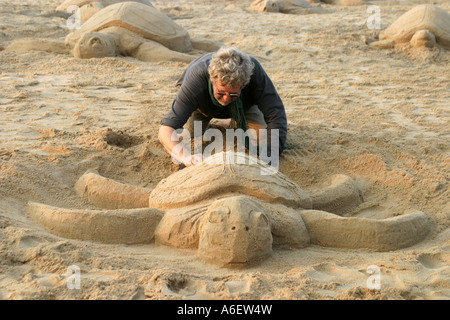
90 7
346 3
232 214
284 6
298 6
138 30
422 26
127 29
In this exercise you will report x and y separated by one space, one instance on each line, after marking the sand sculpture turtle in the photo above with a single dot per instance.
343 2
138 30
129 29
89 7
422 26
297 6
284 6
232 213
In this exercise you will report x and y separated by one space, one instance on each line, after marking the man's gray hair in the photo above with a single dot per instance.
231 67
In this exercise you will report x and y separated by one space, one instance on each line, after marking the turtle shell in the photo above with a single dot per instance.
144 20
227 173
79 3
422 17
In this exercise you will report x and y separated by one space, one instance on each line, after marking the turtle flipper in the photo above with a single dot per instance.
330 230
154 51
207 45
46 45
107 193
341 196
127 226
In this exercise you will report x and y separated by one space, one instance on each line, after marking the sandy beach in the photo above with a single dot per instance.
380 116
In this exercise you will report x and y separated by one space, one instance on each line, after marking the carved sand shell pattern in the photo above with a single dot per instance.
219 175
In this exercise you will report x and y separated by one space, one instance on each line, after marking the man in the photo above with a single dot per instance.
228 84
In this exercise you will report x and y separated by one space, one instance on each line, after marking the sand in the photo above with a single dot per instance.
377 115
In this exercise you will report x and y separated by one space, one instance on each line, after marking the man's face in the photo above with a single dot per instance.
224 94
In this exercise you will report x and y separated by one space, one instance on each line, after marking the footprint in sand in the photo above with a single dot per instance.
49 280
236 287
28 242
178 285
184 287
434 260
331 273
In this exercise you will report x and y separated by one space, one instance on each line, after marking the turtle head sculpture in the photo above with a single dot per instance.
236 232
95 45
270 6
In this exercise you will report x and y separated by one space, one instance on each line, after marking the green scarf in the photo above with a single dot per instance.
236 108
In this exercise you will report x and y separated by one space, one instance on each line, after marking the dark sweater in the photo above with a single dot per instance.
194 94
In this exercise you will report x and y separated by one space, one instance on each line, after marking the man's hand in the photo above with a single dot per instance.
175 148
195 158
188 160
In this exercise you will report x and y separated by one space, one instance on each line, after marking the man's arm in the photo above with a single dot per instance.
266 97
174 147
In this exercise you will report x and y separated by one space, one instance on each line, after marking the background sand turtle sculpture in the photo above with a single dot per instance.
343 2
422 26
127 29
284 6
298 6
138 30
232 214
89 7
